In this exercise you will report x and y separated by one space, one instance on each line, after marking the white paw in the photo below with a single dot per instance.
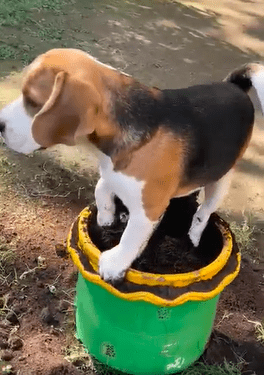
194 237
196 230
111 264
105 218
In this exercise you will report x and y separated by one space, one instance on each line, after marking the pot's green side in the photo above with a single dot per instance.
138 337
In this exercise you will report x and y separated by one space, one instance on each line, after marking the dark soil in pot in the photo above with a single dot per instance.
169 250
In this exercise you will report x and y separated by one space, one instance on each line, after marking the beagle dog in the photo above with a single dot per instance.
153 145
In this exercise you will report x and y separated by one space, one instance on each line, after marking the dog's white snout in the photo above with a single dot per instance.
15 127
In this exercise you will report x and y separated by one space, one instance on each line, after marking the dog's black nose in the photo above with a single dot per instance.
2 126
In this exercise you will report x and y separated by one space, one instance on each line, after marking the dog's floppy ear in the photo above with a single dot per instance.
70 111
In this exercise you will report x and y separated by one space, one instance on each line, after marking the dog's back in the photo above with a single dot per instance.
216 120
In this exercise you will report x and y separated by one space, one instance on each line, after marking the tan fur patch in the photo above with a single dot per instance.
159 163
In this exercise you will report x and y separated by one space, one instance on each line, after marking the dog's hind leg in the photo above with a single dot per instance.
214 193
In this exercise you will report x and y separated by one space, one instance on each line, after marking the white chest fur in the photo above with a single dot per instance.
127 188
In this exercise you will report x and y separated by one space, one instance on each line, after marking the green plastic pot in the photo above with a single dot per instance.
150 324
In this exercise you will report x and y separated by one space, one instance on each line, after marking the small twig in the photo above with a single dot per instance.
24 274
32 270
4 279
44 167
37 23
226 315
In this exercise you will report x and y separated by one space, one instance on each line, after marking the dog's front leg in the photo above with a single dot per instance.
114 263
104 197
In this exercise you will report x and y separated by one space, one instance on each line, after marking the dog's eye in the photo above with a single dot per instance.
32 103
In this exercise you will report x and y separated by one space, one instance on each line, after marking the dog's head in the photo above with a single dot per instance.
64 97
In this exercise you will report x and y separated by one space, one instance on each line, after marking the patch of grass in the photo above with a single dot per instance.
7 256
203 369
13 12
103 369
7 169
74 351
5 368
20 13
8 52
26 59
196 369
7 253
244 234
53 4
51 32
260 332
5 166
7 259
76 354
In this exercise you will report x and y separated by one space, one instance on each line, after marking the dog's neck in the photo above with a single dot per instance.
131 109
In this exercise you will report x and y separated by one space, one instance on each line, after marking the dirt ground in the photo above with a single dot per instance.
237 22
163 44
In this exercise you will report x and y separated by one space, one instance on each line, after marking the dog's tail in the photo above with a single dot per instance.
247 76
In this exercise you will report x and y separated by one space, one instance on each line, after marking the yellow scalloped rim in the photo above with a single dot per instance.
147 296
151 279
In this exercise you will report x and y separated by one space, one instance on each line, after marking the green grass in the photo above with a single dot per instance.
244 234
203 369
56 5
17 20
51 32
8 52
196 369
14 12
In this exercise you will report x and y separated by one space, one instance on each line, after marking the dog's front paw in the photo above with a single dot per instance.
105 218
196 229
111 265
194 236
